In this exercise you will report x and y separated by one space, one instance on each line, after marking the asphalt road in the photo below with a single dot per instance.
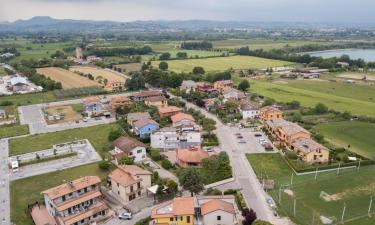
4 183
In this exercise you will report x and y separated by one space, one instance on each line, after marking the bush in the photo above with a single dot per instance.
104 165
291 155
166 164
126 161
155 154
212 191
144 221
320 108
113 135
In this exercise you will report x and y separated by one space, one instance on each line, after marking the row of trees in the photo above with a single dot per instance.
102 52
167 55
203 45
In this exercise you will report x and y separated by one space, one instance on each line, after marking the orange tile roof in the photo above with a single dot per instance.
120 99
143 94
124 175
176 207
193 155
126 144
143 122
100 206
181 116
169 109
91 99
269 109
78 200
72 186
215 205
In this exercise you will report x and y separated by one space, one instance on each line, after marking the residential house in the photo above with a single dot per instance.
190 157
270 113
94 107
343 64
77 202
286 132
309 150
133 117
170 138
232 94
79 53
159 101
141 96
129 182
209 103
92 58
168 111
184 122
223 85
115 85
144 127
188 85
205 87
119 101
19 84
202 210
130 147
249 109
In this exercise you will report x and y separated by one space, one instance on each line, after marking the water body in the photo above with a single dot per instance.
365 54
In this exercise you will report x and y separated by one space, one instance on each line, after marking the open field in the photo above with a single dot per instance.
265 44
26 191
15 130
66 111
97 135
2 72
130 67
352 187
358 99
359 135
28 99
98 73
222 63
199 53
357 76
67 78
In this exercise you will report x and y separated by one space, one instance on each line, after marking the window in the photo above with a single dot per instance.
118 192
139 151
218 217
63 198
131 188
139 185
188 219
171 219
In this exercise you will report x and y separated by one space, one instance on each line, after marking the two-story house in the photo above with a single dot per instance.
130 182
223 85
184 122
309 150
248 109
286 131
119 101
270 113
170 138
190 157
142 95
130 147
168 111
232 94
94 107
133 117
77 202
144 127
158 101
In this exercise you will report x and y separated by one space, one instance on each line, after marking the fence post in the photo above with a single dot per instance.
369 207
294 207
343 214
316 173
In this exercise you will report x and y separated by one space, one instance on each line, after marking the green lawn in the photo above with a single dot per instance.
97 135
32 98
359 135
223 63
26 191
12 131
2 72
351 187
358 99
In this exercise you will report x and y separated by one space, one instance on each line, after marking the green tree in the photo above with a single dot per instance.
136 82
163 65
198 70
114 134
126 161
244 85
297 117
191 180
231 106
293 104
320 108
155 154
166 164
172 186
181 55
165 56
104 165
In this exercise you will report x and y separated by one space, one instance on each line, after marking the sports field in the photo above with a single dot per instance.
67 78
223 63
99 73
351 187
359 135
358 99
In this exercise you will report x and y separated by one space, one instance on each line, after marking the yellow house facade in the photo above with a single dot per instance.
180 211
270 113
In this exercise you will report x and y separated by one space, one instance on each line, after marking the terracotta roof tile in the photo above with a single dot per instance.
181 116
169 109
126 144
215 205
193 155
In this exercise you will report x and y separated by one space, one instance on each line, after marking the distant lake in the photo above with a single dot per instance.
365 54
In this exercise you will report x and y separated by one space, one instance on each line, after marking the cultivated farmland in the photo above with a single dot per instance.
67 78
98 73
223 63
359 135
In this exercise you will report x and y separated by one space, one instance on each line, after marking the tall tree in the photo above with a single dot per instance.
191 180
244 85
163 65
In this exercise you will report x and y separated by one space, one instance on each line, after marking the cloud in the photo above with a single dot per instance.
244 10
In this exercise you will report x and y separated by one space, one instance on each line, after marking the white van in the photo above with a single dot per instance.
15 166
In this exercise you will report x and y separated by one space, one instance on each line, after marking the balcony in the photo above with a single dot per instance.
135 191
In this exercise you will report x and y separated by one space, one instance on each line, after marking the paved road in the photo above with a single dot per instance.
33 116
4 183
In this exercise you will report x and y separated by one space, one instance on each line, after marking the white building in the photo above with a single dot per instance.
170 138
249 110
130 147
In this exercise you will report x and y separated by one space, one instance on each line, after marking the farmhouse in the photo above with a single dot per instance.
223 84
129 182
270 113
119 101
168 111
141 96
285 131
190 157
158 101
208 210
248 109
309 150
144 127
130 147
77 202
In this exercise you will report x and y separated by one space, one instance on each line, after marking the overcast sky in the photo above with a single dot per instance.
233 10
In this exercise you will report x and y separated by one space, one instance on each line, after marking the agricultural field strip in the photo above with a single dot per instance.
111 76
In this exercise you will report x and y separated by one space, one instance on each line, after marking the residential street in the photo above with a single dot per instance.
4 183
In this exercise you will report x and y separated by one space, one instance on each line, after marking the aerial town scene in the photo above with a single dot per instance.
256 112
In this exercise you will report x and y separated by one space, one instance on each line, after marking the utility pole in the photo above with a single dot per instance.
316 173
313 219
280 195
294 207
338 169
291 179
359 164
369 207
343 214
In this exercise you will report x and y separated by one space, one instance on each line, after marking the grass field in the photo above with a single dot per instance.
2 72
358 99
67 78
12 131
97 135
37 51
223 63
357 76
26 191
194 53
32 98
351 187
130 67
359 135
98 73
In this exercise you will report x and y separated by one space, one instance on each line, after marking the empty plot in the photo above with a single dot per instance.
67 78
98 73
357 76
66 112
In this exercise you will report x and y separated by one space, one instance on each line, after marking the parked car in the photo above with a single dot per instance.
267 146
261 140
125 216
258 135
242 141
